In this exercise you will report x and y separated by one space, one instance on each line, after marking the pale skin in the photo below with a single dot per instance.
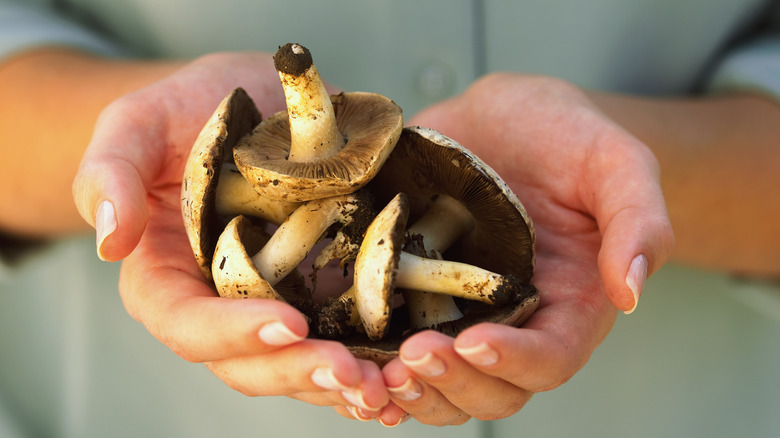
593 189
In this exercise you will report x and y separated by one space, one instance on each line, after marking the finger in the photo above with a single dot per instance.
110 188
349 412
432 357
315 371
188 317
392 415
531 358
630 210
420 400
366 401
162 287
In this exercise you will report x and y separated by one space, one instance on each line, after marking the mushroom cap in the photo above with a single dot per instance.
376 264
235 274
426 164
371 124
235 116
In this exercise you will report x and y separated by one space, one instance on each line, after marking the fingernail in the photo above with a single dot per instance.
355 397
428 365
403 419
105 224
481 354
409 391
326 379
637 274
355 412
276 333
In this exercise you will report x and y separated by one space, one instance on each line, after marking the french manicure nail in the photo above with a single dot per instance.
326 379
481 354
105 224
428 365
635 279
400 421
355 412
276 333
409 391
355 397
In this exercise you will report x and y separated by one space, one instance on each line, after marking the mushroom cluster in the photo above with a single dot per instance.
434 237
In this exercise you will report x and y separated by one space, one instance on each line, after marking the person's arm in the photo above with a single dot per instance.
719 159
51 100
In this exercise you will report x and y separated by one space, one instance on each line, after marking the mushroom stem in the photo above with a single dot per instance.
235 196
454 279
442 224
291 242
313 129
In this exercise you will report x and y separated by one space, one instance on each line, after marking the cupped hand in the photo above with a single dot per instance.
594 195
128 187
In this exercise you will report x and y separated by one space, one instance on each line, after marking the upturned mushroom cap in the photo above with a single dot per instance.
426 164
369 123
235 116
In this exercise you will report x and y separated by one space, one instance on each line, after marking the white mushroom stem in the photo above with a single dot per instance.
428 309
313 129
296 236
450 278
443 223
235 196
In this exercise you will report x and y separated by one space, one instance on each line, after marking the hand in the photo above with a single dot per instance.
128 187
593 192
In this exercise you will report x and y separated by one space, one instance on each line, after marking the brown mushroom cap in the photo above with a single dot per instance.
426 164
235 116
371 124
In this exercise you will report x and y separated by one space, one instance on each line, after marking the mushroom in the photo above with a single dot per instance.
320 146
381 266
239 239
369 300
487 226
212 187
287 247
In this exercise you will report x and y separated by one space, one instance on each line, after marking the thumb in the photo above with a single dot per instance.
637 236
110 188
634 245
